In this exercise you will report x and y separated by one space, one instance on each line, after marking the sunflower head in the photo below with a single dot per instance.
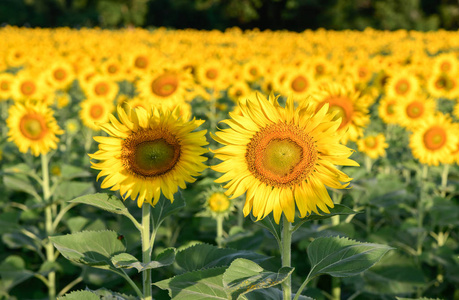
217 203
149 153
281 156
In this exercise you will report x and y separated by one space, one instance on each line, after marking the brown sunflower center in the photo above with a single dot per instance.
320 69
101 89
211 74
148 153
281 155
141 62
445 66
96 111
253 71
299 84
165 85
371 142
59 74
415 110
402 86
218 202
28 88
390 108
362 72
33 126
435 138
4 86
343 107
112 69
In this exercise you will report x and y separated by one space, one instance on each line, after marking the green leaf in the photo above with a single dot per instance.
78 295
341 257
422 298
68 190
106 294
269 224
18 240
104 201
165 208
69 172
127 261
203 256
21 183
338 209
93 248
197 285
244 276
9 222
13 271
76 224
269 294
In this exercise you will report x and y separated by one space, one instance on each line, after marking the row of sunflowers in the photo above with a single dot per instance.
288 109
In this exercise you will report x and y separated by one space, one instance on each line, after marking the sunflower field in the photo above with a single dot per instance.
187 164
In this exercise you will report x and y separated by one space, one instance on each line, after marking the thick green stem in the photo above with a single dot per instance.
368 164
286 256
219 238
146 251
420 208
336 288
444 180
50 257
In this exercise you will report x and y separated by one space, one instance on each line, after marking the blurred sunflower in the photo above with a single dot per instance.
216 203
102 88
6 81
373 146
411 112
443 85
402 84
434 141
32 126
60 75
299 83
95 112
281 156
28 85
149 153
386 110
446 63
239 89
348 104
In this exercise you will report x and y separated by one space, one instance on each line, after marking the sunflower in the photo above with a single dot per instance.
28 85
299 83
239 89
350 105
101 87
32 126
113 69
149 153
446 63
212 74
216 203
434 141
281 156
6 80
411 112
386 110
443 85
60 75
94 112
402 84
373 146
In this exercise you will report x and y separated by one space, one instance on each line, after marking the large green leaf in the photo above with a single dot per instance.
78 295
244 276
165 208
106 202
69 172
93 248
9 222
22 183
13 271
203 256
269 294
197 285
68 190
341 257
126 260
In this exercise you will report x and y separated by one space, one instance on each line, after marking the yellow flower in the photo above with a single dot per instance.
402 84
373 146
413 111
149 153
6 81
281 156
434 141
299 83
94 112
386 110
32 126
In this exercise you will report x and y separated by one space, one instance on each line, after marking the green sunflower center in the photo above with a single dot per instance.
149 153
32 126
281 156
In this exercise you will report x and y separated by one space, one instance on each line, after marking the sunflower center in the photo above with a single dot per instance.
402 86
112 69
59 74
253 71
414 110
371 142
141 62
211 74
101 89
390 108
281 155
33 126
28 88
363 72
165 85
149 153
435 138
320 69
218 202
96 111
445 66
299 84
344 108
4 86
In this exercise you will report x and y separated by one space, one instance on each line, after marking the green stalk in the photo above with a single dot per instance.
286 256
146 251
420 208
336 282
50 257
444 180
368 164
219 238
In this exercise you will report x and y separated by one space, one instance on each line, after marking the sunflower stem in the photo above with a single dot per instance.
368 164
420 208
444 180
219 238
50 257
146 251
286 256
336 282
